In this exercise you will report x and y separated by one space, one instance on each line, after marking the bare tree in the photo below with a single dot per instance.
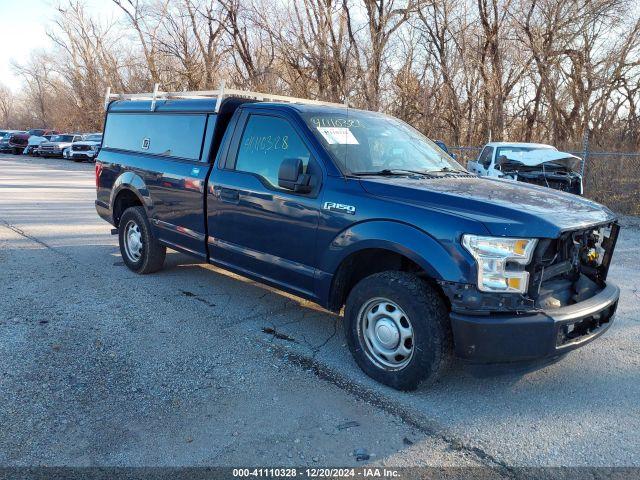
315 49
253 48
146 19
383 19
206 21
543 70
40 86
7 104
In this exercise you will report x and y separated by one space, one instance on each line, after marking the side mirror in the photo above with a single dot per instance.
290 176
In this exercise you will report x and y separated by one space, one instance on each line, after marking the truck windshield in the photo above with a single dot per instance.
367 142
516 152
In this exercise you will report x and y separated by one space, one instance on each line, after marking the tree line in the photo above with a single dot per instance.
465 71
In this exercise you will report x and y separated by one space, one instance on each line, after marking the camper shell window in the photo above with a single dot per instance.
171 135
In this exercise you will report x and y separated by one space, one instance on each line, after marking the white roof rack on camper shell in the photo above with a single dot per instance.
220 94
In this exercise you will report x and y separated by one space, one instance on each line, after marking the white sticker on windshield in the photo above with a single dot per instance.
338 135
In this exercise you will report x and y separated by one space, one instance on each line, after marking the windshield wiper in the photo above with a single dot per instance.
388 172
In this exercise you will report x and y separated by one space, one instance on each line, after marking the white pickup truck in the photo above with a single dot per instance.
535 163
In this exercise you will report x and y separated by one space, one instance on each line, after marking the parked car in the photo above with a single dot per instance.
353 208
86 149
4 133
20 141
535 163
55 147
5 143
35 142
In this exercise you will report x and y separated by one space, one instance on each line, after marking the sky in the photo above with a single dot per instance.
22 29
23 25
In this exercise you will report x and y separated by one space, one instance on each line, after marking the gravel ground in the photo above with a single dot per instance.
196 366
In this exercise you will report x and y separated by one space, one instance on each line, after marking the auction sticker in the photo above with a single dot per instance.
338 135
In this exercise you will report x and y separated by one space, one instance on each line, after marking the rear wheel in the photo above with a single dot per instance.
397 328
140 250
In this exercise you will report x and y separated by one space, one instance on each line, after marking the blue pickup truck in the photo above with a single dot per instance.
355 209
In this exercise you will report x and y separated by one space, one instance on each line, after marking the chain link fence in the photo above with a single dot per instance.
610 178
613 179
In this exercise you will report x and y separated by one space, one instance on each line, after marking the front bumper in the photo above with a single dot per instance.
502 338
84 155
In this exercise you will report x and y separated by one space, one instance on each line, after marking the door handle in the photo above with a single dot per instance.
229 195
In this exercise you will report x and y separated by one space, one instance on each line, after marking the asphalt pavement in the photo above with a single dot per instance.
196 366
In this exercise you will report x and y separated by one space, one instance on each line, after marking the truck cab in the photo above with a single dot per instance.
356 210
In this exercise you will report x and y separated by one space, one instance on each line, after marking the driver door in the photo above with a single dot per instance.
254 225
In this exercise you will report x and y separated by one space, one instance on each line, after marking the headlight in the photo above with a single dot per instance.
501 262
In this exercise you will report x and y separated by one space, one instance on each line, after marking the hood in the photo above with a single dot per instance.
87 142
56 144
533 158
35 140
20 136
504 207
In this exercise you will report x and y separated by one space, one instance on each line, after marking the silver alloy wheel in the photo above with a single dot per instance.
133 241
386 334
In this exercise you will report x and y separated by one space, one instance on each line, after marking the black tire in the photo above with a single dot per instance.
431 342
151 253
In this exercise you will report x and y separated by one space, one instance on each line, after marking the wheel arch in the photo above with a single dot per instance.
374 247
129 190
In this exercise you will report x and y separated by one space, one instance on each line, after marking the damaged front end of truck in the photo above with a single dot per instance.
570 270
567 303
547 168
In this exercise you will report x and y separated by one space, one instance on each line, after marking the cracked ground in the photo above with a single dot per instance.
195 366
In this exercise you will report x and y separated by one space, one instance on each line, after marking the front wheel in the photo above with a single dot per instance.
397 328
140 250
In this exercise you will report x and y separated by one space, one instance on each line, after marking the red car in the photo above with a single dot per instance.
19 141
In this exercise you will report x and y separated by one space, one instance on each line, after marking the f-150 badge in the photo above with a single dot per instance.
339 207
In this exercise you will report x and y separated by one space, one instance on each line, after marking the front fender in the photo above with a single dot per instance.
440 260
